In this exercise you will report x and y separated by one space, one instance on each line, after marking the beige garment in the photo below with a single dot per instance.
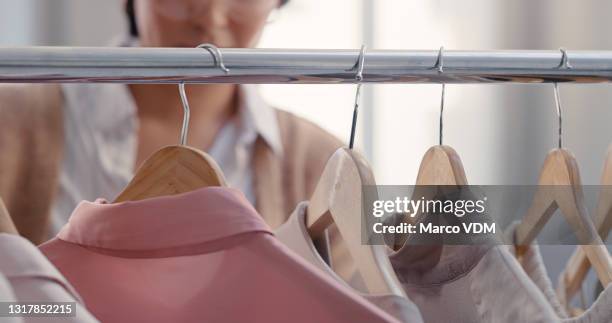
533 265
599 312
30 153
294 235
469 284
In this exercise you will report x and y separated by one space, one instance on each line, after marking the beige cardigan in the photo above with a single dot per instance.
31 145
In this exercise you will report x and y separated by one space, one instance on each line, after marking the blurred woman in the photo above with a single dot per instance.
63 144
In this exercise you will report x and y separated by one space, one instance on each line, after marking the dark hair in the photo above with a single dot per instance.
131 15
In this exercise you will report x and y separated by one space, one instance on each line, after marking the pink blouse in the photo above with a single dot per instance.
202 256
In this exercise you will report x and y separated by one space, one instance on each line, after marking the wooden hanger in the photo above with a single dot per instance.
172 170
176 169
604 206
338 199
440 166
559 187
578 266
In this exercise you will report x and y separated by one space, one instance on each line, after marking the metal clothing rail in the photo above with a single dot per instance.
195 65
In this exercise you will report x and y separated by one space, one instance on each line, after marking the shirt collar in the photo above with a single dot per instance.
256 116
191 218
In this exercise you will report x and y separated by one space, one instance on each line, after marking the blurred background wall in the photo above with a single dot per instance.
502 132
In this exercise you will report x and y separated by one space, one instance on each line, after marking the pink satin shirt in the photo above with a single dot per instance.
202 256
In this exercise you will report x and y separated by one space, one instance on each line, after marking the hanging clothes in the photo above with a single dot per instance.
201 256
294 235
27 276
469 284
533 264
599 311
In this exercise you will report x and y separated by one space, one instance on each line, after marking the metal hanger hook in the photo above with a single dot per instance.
359 77
564 60
218 58
440 61
186 115
216 54
442 113
563 64
440 66
559 113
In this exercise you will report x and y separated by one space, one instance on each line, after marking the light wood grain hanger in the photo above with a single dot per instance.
176 169
604 206
338 199
440 166
559 187
578 266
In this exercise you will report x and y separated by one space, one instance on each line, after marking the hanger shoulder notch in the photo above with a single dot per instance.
172 170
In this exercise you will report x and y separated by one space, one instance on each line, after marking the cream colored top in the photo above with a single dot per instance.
600 311
294 235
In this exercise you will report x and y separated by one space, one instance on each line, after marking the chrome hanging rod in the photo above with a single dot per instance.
277 66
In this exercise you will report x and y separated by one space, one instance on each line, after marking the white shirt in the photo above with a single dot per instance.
100 135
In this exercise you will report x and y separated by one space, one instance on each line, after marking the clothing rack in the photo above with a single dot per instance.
277 66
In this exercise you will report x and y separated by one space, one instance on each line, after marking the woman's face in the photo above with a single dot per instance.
188 23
